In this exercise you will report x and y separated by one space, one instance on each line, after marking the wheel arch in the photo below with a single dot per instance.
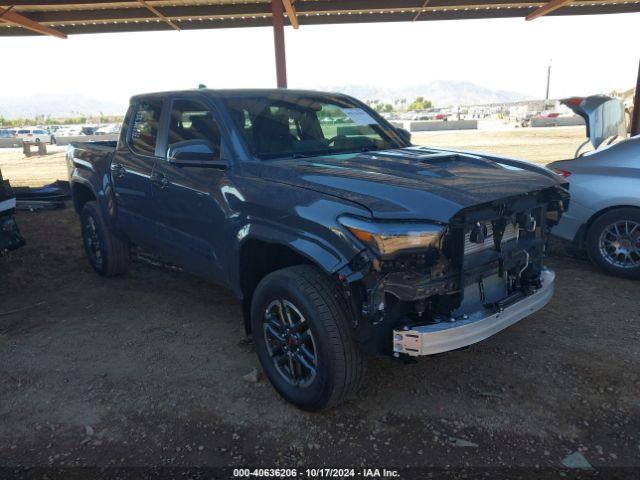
260 256
582 233
81 194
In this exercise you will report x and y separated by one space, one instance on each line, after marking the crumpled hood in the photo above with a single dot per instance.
412 183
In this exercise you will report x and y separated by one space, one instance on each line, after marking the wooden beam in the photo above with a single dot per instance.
13 18
157 13
291 13
421 10
548 8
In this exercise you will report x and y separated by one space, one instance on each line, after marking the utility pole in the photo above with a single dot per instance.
546 97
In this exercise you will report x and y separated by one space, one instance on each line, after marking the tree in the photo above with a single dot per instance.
420 103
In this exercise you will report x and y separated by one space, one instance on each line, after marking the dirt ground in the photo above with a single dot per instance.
147 370
539 145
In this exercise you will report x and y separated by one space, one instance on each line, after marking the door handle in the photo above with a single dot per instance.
159 180
118 170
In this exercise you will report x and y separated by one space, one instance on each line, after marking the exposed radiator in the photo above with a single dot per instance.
469 247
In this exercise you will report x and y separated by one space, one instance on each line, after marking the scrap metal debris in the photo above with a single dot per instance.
10 237
49 197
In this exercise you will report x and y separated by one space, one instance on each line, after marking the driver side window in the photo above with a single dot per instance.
192 120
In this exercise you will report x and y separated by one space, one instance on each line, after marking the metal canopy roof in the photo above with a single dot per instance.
23 17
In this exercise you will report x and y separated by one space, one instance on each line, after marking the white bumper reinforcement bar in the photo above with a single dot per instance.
445 336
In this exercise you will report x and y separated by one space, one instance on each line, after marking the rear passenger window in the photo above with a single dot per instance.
144 131
191 120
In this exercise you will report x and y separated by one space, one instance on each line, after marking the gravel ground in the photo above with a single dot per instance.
150 369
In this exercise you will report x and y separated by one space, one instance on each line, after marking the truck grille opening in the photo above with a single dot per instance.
470 247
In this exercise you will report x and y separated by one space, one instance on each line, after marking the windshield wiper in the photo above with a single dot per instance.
307 155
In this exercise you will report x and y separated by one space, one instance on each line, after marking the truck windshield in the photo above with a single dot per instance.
293 126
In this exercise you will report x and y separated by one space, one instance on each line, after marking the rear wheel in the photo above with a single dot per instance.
108 255
613 242
300 326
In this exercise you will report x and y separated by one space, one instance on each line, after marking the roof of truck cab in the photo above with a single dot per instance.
238 92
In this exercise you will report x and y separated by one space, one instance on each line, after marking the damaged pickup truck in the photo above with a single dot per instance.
340 238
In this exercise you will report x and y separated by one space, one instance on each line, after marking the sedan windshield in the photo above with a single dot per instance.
297 126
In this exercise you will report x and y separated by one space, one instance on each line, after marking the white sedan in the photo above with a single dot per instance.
35 135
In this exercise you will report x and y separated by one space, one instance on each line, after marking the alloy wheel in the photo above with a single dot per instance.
619 244
93 242
290 343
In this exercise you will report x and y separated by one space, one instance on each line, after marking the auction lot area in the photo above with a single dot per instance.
149 369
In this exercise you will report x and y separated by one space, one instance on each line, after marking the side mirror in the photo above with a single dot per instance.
195 153
404 134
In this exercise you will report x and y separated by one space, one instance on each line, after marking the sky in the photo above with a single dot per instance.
589 54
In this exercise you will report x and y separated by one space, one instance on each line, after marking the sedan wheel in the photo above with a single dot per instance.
613 242
620 244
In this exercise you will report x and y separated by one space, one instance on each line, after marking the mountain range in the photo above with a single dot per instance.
440 92
57 105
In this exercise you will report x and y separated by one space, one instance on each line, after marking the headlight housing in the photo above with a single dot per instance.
387 239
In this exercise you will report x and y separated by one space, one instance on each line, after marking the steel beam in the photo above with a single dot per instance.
277 20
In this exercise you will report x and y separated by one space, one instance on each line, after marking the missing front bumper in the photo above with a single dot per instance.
445 336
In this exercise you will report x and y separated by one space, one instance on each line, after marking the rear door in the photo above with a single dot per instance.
131 171
191 207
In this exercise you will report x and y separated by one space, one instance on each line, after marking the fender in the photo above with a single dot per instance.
95 176
328 257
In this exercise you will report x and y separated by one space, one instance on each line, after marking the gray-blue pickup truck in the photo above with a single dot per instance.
339 237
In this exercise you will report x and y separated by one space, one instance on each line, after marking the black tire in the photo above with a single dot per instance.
37 140
339 363
604 257
107 254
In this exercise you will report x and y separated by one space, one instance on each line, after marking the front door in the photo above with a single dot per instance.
131 169
190 204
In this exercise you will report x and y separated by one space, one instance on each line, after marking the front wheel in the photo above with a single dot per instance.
613 242
300 325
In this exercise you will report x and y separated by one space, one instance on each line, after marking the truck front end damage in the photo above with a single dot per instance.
459 283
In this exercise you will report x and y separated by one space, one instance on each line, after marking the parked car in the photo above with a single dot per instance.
604 216
108 130
336 245
35 135
69 132
88 129
5 133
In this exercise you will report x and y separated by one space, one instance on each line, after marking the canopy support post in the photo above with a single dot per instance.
635 119
277 19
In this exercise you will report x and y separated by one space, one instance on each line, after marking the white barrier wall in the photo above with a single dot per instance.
10 142
436 125
86 138
557 122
